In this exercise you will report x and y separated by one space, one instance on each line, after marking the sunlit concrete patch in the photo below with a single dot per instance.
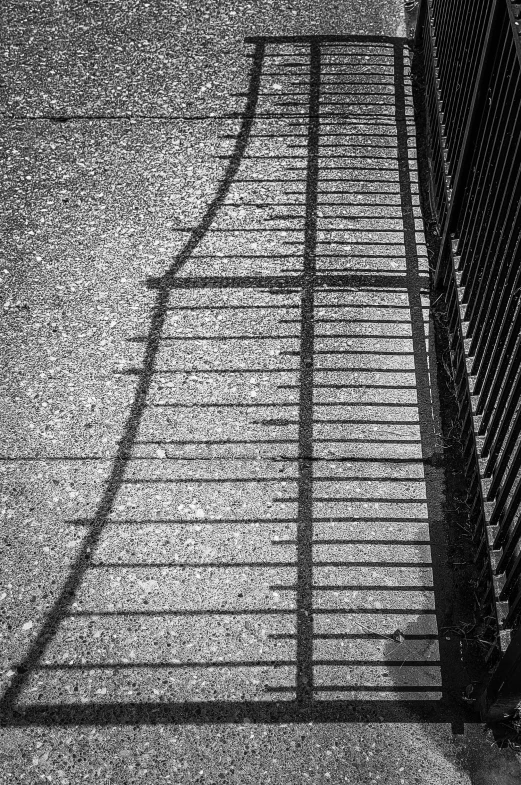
196 543
160 640
364 599
206 500
239 588
170 685
198 386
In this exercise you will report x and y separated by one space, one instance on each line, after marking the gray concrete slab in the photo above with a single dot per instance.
223 551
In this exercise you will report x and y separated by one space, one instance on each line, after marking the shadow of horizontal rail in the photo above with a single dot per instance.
304 702
238 712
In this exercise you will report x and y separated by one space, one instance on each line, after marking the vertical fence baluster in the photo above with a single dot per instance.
472 63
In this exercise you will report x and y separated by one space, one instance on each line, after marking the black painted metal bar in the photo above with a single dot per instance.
464 150
472 63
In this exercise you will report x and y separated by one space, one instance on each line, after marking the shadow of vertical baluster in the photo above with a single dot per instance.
304 687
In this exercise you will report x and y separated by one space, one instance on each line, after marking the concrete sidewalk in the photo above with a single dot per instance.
229 555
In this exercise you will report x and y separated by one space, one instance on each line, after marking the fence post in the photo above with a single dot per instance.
501 697
420 22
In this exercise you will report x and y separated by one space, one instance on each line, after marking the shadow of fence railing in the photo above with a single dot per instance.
356 515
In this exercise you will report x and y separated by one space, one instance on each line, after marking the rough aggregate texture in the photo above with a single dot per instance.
141 99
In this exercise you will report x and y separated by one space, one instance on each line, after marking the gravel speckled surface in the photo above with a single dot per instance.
168 469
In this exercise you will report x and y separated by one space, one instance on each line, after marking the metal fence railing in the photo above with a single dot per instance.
472 62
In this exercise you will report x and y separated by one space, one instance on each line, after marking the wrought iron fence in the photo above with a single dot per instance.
472 65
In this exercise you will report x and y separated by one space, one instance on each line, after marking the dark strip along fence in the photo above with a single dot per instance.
472 65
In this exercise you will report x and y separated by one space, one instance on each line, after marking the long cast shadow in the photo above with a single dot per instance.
304 707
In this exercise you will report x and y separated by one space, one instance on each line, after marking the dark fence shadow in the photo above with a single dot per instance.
323 116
